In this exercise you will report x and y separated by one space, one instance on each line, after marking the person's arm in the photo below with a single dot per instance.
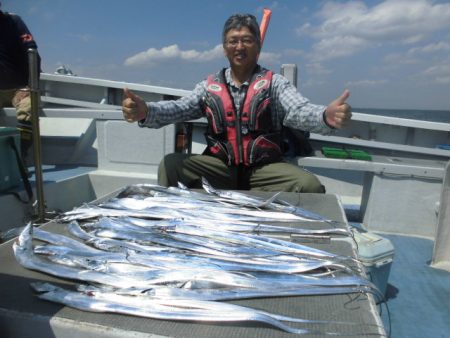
159 114
24 33
295 111
26 38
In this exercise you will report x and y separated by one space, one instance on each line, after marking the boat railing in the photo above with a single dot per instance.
382 131
73 97
82 123
72 105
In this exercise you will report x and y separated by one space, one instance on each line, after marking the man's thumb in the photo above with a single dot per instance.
129 94
345 95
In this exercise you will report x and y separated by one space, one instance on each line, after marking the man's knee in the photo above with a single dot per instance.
312 185
163 180
308 183
168 170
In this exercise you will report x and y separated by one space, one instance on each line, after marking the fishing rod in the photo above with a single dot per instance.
267 13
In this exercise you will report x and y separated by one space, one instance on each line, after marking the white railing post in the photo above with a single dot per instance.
289 71
441 252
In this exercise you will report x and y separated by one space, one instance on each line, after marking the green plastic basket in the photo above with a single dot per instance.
359 155
346 153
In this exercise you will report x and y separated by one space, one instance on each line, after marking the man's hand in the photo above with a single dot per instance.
338 112
134 107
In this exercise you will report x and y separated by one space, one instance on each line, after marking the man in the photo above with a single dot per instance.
246 107
15 40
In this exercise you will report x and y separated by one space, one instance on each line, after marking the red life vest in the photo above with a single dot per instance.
246 137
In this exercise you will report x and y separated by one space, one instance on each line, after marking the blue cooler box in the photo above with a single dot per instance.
376 254
9 171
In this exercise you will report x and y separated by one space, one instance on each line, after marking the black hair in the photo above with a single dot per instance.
237 21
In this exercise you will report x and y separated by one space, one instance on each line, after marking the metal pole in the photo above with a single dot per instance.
35 96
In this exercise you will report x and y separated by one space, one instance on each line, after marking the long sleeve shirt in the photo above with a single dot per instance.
15 40
289 107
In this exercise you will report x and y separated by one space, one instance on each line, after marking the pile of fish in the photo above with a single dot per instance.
177 254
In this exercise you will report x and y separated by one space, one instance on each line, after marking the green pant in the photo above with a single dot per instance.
280 176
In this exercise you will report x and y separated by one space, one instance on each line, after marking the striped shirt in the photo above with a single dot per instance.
289 107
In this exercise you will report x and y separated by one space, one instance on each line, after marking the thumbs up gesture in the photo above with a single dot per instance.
134 107
338 112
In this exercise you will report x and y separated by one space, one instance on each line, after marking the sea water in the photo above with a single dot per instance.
424 115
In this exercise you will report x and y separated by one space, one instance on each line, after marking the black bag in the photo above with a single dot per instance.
296 143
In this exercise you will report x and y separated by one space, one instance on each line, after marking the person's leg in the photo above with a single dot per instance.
284 176
6 97
189 170
22 102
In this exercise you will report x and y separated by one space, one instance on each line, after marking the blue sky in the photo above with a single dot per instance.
390 54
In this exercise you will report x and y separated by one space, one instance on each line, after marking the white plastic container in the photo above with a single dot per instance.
376 253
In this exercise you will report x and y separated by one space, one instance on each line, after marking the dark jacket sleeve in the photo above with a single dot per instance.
25 36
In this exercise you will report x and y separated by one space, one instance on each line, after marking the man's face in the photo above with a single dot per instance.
241 48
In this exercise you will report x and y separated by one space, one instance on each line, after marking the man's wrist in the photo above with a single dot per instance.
324 116
142 116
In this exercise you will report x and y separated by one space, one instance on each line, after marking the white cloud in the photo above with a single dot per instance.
395 59
349 27
272 6
317 68
441 69
443 79
437 73
392 19
174 52
294 52
305 29
431 48
269 58
366 83
338 46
